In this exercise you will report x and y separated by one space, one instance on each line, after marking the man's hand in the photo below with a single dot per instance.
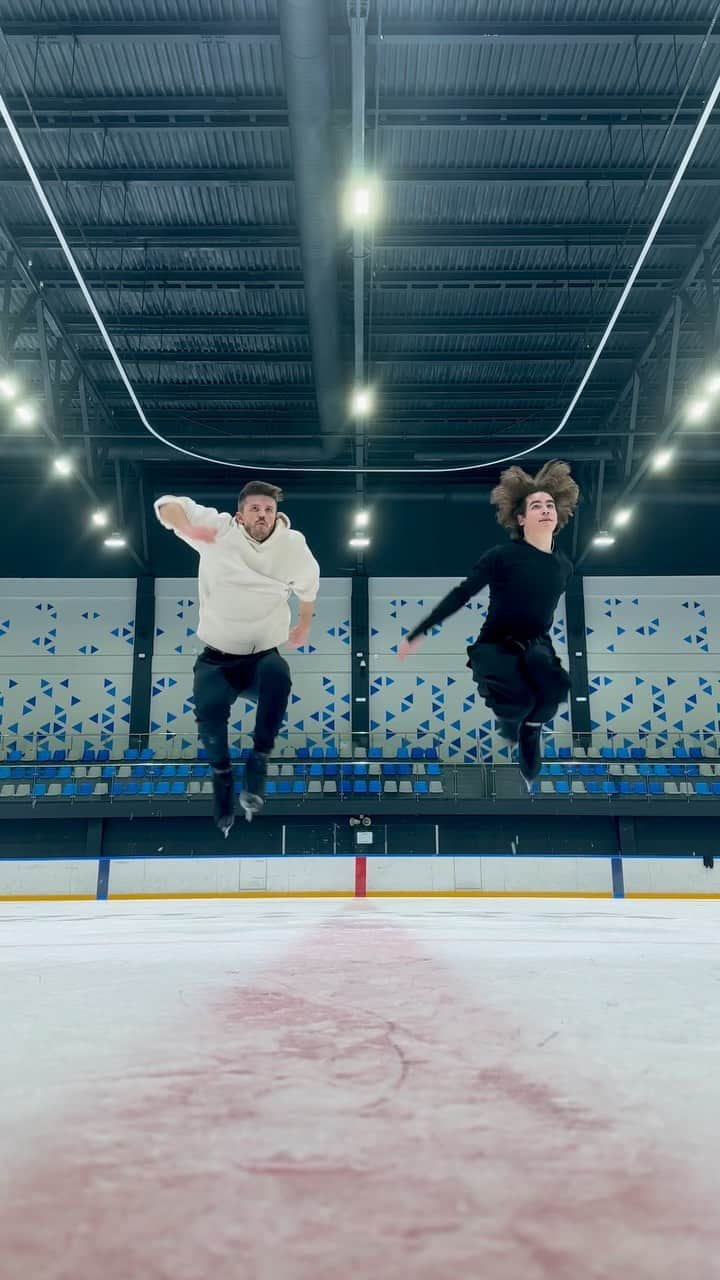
298 635
407 647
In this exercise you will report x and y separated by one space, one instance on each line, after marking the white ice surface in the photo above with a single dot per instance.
300 1090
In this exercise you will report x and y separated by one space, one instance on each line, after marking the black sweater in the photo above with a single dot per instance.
525 586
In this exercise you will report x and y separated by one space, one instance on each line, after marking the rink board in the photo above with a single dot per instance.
491 876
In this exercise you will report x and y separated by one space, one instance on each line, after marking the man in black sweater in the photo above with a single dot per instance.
513 662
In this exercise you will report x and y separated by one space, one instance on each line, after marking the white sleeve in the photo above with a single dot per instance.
305 574
207 516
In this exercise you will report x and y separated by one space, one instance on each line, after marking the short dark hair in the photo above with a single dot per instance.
259 488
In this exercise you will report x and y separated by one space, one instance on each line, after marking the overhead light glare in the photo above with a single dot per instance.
8 387
362 519
697 410
115 541
100 519
359 541
662 459
362 199
362 402
63 465
603 539
622 517
712 386
26 414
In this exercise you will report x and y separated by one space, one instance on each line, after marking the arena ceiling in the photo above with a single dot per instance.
198 164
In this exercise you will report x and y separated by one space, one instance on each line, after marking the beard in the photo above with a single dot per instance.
261 532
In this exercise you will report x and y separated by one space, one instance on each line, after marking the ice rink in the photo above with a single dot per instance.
360 1090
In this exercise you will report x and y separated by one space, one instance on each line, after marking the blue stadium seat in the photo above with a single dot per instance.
168 771
562 788
69 789
331 753
346 770
389 770
404 769
59 755
162 788
420 787
331 771
655 788
85 788
147 753
715 788
131 753
360 787
360 768
637 753
433 770
65 771
108 771
695 753
43 756
374 786
660 770
103 754
299 770
606 753
402 753
303 753
316 771
284 787
316 753
177 788
564 753
39 789
608 788
417 753
431 753
4 773
14 756
88 756
702 789
374 753
680 752
270 787
557 771
146 788
299 787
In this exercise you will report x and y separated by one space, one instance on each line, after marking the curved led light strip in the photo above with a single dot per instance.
474 466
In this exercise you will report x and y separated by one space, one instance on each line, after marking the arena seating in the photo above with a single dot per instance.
613 773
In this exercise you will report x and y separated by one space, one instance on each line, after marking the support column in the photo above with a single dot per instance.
360 671
577 661
142 660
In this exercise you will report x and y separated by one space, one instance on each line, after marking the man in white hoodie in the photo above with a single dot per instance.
249 565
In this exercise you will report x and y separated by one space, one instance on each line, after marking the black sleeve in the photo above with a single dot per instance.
478 578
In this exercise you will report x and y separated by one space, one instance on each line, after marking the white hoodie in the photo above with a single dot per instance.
245 585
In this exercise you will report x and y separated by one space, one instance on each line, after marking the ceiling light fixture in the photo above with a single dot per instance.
115 541
603 539
100 519
63 465
622 517
359 541
662 459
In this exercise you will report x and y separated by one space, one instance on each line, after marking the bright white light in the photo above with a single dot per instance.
8 388
662 459
362 401
26 414
362 200
115 541
621 518
697 410
712 386
362 519
63 466
359 541
603 539
100 519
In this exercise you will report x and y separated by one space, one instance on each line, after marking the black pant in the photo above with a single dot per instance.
220 678
519 680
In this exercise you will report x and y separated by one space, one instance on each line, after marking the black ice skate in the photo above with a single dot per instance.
252 796
223 790
508 729
529 752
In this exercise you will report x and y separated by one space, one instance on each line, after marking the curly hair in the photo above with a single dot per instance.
511 494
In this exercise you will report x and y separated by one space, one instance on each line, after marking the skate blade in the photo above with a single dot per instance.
250 805
225 826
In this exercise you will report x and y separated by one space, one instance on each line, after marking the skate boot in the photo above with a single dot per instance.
223 790
529 751
252 796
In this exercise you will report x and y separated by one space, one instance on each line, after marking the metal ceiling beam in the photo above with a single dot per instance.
446 393
450 235
136 325
237 278
200 111
77 28
541 175
547 355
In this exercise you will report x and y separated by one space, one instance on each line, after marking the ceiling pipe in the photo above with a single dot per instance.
305 42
